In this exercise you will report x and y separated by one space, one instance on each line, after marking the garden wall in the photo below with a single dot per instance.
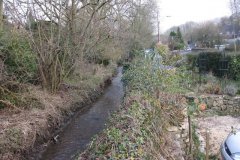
223 103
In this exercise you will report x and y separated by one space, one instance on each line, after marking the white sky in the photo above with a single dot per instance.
182 11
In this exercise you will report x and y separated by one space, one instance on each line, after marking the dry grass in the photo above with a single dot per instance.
29 124
44 112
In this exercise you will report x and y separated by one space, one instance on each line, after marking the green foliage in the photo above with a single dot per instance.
213 64
163 51
126 66
191 61
119 141
142 75
173 34
192 108
18 57
137 131
135 53
235 67
179 35
196 153
180 46
176 41
173 59
104 62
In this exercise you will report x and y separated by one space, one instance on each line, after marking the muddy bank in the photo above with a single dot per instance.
58 124
23 132
87 122
87 114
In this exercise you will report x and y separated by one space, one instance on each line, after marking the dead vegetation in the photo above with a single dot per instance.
23 126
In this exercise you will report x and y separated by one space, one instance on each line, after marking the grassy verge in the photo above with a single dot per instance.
152 104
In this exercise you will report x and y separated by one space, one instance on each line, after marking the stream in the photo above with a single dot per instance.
79 132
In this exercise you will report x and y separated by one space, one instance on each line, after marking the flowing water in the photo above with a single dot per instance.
85 125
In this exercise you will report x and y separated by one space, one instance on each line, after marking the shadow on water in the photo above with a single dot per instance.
86 124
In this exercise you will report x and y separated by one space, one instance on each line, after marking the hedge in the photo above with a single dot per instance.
214 63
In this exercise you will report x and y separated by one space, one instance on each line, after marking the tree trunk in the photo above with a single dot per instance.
72 22
1 14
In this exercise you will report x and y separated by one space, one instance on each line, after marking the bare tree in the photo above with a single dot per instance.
1 14
63 32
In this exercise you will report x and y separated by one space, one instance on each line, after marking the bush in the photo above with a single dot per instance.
134 53
231 90
162 50
238 92
191 61
211 85
19 60
212 61
234 68
213 64
106 62
167 57
143 75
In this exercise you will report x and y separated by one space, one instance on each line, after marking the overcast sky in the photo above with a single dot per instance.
182 11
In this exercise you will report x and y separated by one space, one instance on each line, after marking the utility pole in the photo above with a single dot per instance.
158 23
234 29
235 46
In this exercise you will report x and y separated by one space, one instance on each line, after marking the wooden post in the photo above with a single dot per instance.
207 144
190 134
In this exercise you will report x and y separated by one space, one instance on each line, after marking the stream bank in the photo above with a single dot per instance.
25 133
86 123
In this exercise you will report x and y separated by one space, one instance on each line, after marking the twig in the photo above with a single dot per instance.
10 105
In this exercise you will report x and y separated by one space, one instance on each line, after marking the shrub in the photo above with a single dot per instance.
234 68
210 88
106 62
230 90
162 50
238 92
191 61
134 53
143 75
167 57
18 57
213 65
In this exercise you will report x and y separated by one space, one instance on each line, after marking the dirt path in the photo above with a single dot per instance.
85 125
219 127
